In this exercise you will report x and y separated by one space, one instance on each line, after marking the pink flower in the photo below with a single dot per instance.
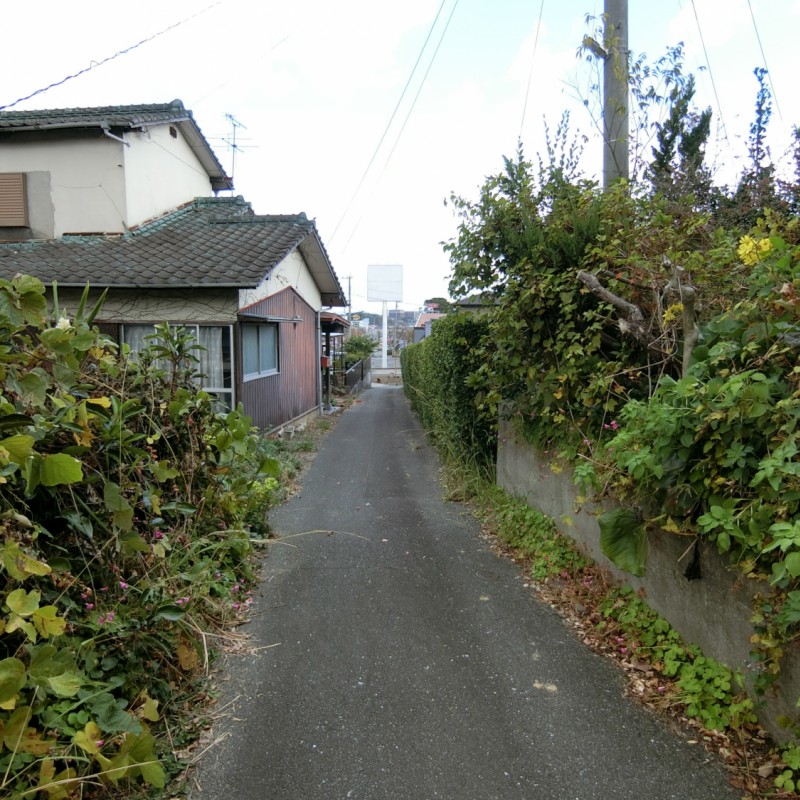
123 585
89 606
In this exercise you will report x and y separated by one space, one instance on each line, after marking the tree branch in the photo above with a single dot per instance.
632 320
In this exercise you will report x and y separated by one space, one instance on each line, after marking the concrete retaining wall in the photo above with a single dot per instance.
713 612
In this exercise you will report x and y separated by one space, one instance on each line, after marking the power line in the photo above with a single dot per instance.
530 74
389 123
95 64
710 73
764 57
408 115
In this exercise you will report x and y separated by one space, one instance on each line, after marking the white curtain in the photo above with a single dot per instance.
211 366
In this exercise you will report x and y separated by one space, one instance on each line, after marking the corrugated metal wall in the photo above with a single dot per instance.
275 399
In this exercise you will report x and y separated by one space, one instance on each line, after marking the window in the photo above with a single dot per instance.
215 372
259 350
13 200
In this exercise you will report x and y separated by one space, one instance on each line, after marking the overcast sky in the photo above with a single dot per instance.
315 84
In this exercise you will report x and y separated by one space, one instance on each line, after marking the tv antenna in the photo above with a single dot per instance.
231 142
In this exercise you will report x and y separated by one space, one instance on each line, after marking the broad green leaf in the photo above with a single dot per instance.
22 602
111 716
149 709
88 738
153 773
60 468
19 565
58 786
15 727
66 685
12 678
122 513
19 447
623 539
132 542
162 471
33 387
113 498
123 519
16 623
270 467
792 562
47 621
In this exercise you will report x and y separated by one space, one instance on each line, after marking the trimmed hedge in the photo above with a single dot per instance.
436 379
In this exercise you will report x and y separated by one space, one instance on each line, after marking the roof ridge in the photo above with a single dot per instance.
176 106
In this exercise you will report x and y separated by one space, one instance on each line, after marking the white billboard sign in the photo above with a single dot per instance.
385 282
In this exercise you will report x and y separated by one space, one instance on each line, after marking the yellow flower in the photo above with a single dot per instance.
751 251
672 313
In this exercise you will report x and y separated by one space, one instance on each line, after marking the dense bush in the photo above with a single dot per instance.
716 451
126 506
435 379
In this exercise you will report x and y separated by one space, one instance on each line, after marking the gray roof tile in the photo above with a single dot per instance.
132 116
212 241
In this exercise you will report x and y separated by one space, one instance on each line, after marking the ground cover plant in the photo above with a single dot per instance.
129 501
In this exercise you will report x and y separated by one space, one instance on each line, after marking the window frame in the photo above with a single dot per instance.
227 394
260 327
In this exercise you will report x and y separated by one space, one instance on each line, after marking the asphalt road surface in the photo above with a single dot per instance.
411 663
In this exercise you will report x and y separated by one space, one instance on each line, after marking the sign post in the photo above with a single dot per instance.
384 284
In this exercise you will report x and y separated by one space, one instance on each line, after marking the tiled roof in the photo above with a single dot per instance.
210 242
116 116
424 318
132 117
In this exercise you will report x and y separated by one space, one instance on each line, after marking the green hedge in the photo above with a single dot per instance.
436 379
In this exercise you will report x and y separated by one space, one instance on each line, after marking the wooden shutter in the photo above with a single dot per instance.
13 200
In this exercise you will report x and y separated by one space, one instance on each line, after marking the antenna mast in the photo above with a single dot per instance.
235 125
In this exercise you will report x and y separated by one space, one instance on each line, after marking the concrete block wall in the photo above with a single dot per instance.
712 612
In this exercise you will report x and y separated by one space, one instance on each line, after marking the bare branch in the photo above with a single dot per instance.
631 321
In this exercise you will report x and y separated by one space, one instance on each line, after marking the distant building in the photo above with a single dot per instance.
422 327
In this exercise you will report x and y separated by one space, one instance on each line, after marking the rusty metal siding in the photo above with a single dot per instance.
274 400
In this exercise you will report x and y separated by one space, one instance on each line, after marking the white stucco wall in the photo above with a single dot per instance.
161 173
98 185
87 193
292 271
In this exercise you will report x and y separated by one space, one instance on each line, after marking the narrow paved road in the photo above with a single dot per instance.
411 663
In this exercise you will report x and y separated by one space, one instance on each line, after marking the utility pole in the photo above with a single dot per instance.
349 304
615 92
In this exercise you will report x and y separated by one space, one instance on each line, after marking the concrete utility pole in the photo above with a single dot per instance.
615 92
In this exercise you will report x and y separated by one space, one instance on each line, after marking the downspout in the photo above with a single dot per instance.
107 132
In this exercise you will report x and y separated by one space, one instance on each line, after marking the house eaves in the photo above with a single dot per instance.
316 257
113 120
